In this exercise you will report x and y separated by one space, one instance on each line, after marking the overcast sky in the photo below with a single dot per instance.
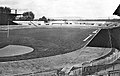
65 8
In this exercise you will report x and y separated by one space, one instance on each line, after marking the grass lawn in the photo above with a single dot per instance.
45 41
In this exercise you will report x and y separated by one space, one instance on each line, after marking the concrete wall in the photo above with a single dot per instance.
108 38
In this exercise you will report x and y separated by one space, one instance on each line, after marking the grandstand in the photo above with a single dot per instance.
104 65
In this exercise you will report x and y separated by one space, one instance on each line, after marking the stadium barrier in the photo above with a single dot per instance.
91 67
101 64
108 60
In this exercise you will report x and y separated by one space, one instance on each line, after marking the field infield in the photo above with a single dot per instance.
45 41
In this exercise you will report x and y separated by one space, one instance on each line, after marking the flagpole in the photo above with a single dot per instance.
8 29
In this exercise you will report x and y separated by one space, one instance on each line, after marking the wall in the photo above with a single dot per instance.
108 38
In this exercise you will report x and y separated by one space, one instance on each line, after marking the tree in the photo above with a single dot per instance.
28 16
5 15
43 19
6 10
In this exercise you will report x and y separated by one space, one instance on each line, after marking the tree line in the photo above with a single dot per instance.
25 16
5 10
29 16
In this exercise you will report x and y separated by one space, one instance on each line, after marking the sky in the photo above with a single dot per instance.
65 8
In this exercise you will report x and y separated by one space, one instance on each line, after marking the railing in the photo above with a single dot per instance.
110 58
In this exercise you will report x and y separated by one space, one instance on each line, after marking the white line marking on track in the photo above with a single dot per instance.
88 37
95 31
92 38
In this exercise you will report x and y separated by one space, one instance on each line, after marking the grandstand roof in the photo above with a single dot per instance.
117 11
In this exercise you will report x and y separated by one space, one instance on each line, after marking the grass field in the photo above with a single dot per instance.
45 41
54 48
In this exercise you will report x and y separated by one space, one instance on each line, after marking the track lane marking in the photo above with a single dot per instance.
95 31
92 38
88 37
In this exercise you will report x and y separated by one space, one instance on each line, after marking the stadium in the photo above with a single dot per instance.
77 48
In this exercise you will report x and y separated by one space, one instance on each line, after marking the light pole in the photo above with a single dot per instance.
8 29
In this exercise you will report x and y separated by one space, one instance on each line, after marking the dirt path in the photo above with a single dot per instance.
53 62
